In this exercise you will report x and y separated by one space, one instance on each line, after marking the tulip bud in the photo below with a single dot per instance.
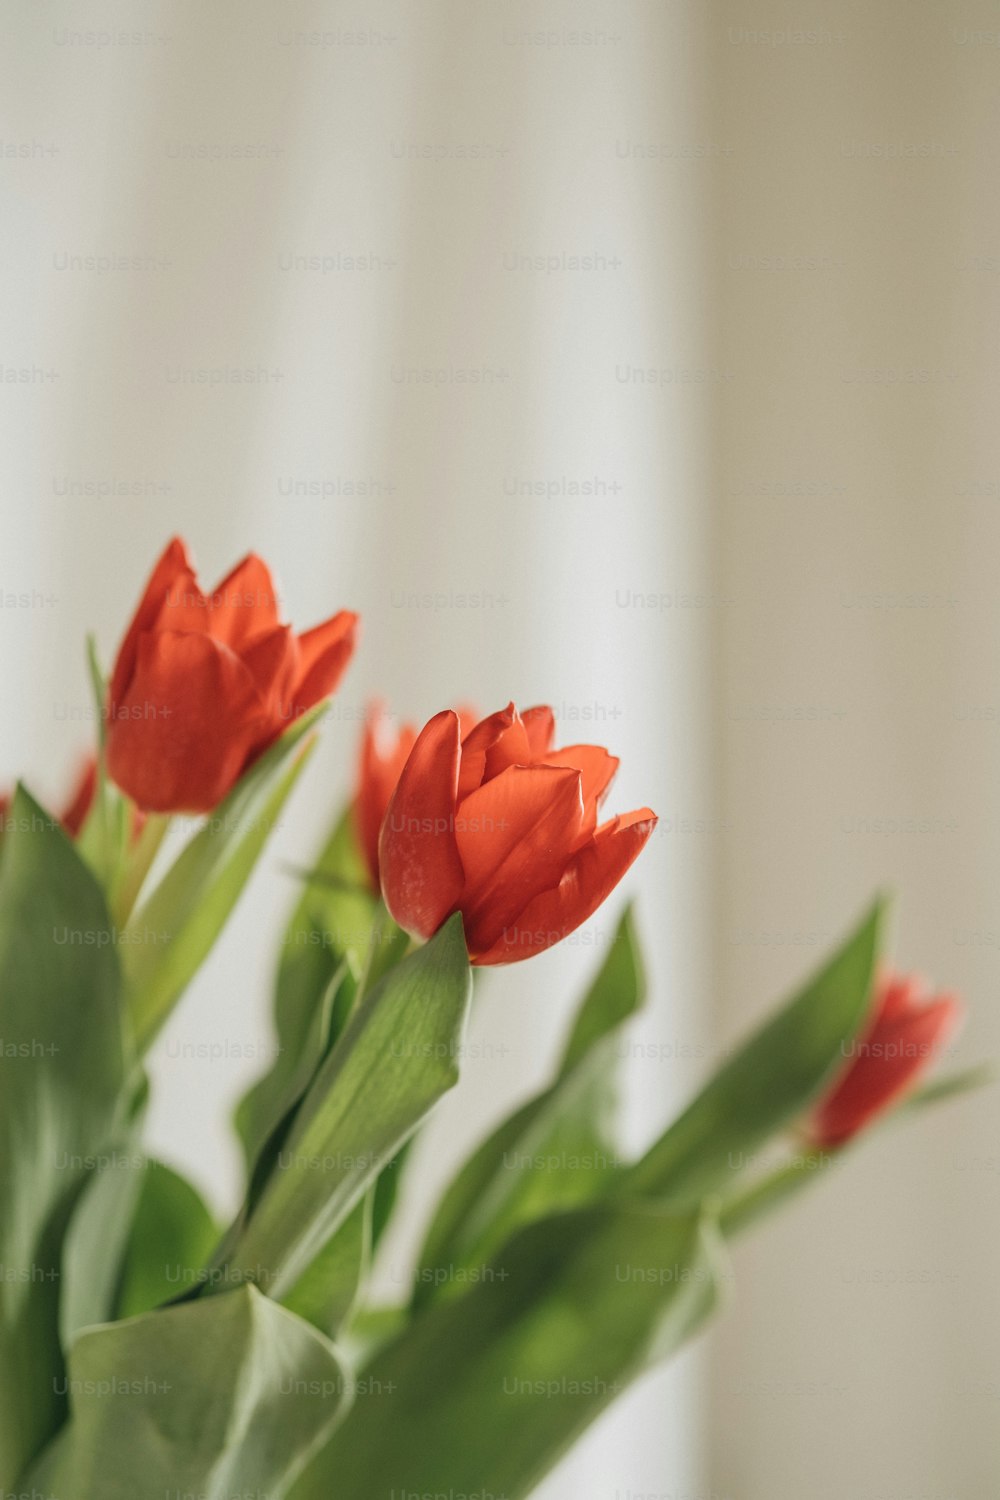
907 1030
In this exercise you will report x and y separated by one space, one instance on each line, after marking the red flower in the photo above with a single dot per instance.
204 683
503 828
384 752
907 1030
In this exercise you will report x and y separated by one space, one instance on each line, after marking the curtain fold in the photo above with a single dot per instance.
374 294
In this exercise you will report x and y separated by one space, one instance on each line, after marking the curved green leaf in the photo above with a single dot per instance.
62 1069
557 1151
486 1392
326 1292
328 936
396 1057
769 1082
213 1398
171 1239
173 931
96 1240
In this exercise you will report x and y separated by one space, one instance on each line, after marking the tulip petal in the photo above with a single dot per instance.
591 875
173 568
515 835
244 604
419 866
477 744
540 727
273 662
384 753
597 769
325 652
887 1062
181 736
899 995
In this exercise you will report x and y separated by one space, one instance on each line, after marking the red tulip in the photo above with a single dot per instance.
204 683
384 752
906 1032
503 828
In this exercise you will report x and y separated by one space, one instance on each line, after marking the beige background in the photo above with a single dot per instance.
861 1358
796 210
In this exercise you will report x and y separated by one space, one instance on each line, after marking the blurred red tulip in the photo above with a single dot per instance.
204 683
907 1031
384 751
503 828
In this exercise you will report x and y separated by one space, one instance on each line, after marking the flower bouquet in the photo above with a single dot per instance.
146 1350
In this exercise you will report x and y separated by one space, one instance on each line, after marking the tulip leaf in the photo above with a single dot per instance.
173 931
327 1290
786 1179
102 839
395 1058
62 1069
218 1397
271 1102
617 992
171 1239
328 936
96 1240
386 1192
484 1393
556 1151
981 1075
769 1082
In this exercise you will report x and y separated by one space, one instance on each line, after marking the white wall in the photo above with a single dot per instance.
778 699
365 149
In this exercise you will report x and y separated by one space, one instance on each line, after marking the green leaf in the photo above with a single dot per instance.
327 1290
769 1082
982 1075
62 1067
337 898
385 1193
339 942
556 1151
102 839
167 940
328 936
172 1238
771 1189
266 1111
616 994
486 1392
213 1398
368 1097
97 1238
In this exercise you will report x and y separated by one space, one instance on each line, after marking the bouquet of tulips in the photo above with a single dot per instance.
146 1350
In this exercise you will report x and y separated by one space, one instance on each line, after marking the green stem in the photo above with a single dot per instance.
137 866
743 1209
811 1164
